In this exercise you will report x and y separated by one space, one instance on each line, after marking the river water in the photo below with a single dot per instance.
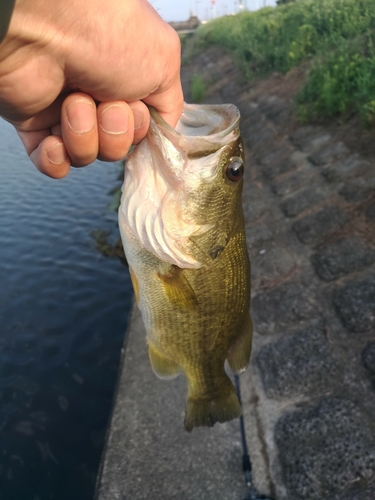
63 314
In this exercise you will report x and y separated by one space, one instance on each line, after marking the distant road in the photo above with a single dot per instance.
183 32
188 26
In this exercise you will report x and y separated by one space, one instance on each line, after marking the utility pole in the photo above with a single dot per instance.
197 2
213 2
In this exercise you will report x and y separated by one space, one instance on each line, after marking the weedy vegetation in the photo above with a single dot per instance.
335 39
197 89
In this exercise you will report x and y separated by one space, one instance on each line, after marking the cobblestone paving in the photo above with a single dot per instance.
309 204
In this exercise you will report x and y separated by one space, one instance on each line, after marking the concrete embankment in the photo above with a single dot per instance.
309 399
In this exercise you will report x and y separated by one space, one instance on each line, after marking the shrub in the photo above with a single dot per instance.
341 82
335 35
276 39
197 89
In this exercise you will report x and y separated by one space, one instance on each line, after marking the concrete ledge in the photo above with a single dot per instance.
148 452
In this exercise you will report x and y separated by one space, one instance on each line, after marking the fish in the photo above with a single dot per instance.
182 227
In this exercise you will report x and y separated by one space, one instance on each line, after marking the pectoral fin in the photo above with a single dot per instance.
178 289
163 367
239 353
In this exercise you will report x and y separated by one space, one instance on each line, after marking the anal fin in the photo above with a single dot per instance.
163 367
239 352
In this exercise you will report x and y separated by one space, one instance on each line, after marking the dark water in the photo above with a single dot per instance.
63 314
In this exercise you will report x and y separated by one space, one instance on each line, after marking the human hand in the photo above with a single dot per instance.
75 76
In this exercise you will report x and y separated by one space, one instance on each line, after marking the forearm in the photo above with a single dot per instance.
6 9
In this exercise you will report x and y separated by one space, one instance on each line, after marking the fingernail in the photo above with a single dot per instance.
81 116
138 118
114 120
56 154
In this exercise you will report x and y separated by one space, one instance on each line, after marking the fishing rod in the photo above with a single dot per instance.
246 463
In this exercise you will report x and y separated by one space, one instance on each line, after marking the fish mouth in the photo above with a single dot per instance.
201 131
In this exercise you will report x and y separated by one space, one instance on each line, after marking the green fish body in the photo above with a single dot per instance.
182 227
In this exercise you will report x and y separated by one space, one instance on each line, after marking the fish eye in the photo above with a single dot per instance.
234 169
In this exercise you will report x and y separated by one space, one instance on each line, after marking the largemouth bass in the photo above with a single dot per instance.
182 227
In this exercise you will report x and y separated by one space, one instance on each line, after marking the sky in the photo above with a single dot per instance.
179 10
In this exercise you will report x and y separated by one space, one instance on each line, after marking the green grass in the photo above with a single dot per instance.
276 39
334 36
197 89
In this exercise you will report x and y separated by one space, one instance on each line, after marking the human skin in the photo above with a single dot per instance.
76 75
